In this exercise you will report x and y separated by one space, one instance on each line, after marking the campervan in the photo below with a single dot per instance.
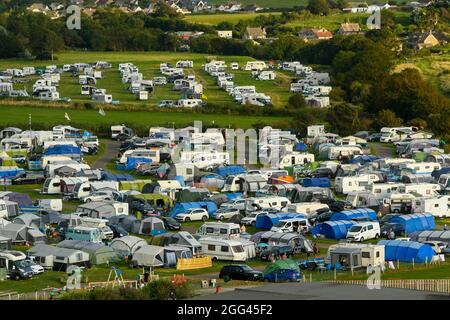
308 208
255 65
337 152
390 134
295 158
300 225
152 154
258 203
190 103
348 184
364 231
421 189
205 160
437 206
222 249
84 234
219 230
13 263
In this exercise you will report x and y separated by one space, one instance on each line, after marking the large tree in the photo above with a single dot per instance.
319 7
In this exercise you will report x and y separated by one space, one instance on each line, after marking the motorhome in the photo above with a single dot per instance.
437 206
308 208
383 190
219 230
255 65
13 263
420 189
348 184
120 129
205 160
295 158
391 134
57 185
153 154
222 249
274 202
190 103
300 225
364 231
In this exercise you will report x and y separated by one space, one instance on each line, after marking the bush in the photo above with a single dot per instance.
161 290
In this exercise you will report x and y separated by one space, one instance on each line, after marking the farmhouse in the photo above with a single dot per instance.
425 40
227 34
349 28
315 34
254 33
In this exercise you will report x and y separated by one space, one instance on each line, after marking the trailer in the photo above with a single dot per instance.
437 206
346 184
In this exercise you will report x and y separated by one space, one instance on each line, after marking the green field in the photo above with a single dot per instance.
148 64
267 3
213 19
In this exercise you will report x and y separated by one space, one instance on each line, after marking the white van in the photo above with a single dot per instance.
299 225
219 230
278 203
348 184
364 231
221 249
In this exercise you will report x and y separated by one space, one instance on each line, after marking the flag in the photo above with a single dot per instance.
101 112
66 116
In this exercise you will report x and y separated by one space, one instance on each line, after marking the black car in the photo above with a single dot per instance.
374 137
118 231
320 173
170 223
123 137
240 272
28 178
388 226
276 252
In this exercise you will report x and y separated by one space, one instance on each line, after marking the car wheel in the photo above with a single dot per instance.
361 240
16 277
204 218
253 224
221 218
187 219
88 200
377 236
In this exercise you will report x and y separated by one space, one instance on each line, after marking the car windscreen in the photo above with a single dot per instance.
355 229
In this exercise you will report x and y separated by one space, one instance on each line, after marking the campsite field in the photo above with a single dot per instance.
148 64
233 18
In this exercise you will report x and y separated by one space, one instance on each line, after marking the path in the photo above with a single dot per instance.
111 151
384 150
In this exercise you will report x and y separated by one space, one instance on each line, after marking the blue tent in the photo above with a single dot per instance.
316 182
180 179
415 222
301 146
437 173
8 172
108 176
182 207
364 159
230 170
235 195
354 214
333 229
267 221
132 163
407 251
62 149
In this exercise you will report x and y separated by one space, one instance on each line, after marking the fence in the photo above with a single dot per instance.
432 285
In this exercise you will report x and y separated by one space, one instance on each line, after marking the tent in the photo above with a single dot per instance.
428 235
154 199
181 239
127 245
407 251
191 195
5 243
279 267
98 253
28 219
173 253
316 182
136 185
333 229
57 258
301 146
229 170
129 223
21 199
415 222
182 207
149 256
363 159
267 221
63 149
20 233
354 214
212 180
152 226
108 176
292 239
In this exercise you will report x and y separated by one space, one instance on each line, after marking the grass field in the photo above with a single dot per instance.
213 19
281 4
149 66
435 69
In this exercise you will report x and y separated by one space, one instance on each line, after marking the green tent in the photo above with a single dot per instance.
287 264
154 199
136 185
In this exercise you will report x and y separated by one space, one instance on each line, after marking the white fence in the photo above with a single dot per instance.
432 285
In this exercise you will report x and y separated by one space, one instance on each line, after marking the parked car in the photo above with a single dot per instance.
283 275
170 223
276 252
28 178
240 272
165 103
236 203
250 219
226 213
118 231
320 173
98 196
37 269
18 158
374 137
364 231
387 227
193 215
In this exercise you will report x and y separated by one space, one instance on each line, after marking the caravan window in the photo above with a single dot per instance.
120 210
365 254
238 249
188 171
2 207
209 230
211 247
223 231
224 249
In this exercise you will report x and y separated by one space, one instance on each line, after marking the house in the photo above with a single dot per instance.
38 8
356 7
315 34
254 33
186 35
421 40
349 28
227 34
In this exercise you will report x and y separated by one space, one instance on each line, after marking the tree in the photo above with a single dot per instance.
296 101
320 7
343 119
341 4
387 118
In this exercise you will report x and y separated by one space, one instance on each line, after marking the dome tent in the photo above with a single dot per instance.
428 235
415 222
407 251
333 229
152 226
354 214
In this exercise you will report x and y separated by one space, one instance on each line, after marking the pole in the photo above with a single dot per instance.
29 120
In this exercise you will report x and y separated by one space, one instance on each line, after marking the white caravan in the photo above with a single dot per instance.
348 184
308 208
421 189
438 206
152 154
295 158
205 160
219 230
258 203
255 65
222 249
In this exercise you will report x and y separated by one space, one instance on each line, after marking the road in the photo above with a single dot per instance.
111 151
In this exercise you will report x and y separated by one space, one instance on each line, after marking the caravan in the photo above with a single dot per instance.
295 158
152 154
219 230
255 65
205 160
438 206
222 249
420 189
345 185
277 203
58 185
